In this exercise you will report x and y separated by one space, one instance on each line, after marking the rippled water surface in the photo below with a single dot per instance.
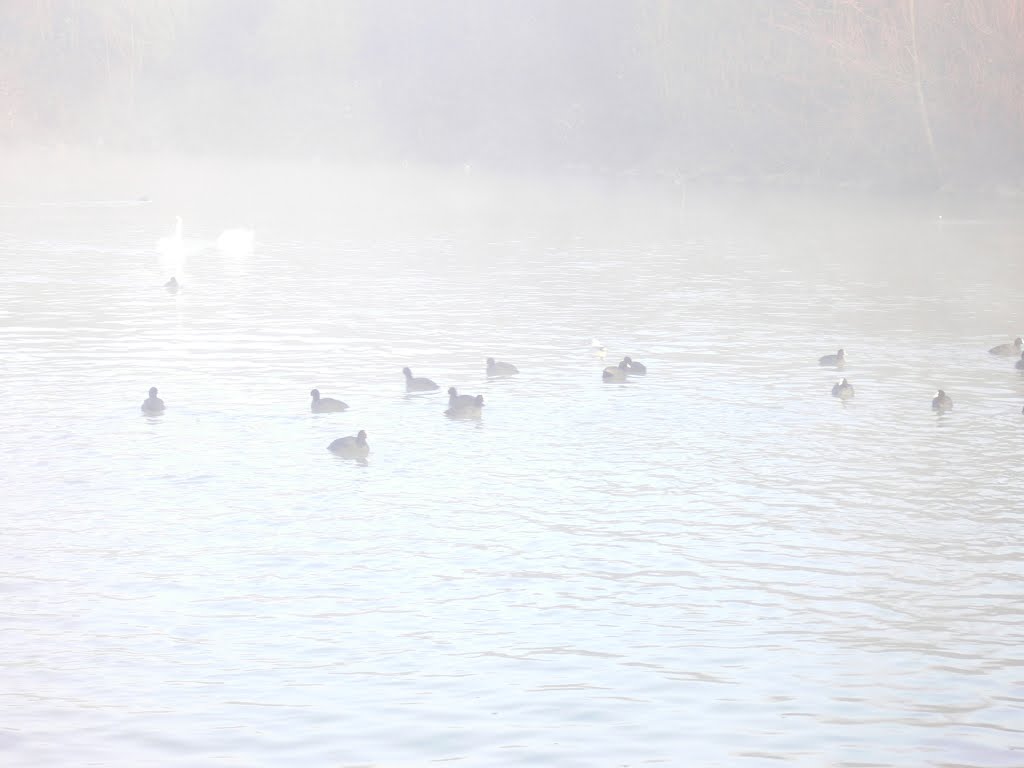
718 564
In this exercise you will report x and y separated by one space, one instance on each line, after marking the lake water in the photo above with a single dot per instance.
716 565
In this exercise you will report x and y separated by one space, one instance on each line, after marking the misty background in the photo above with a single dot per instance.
898 93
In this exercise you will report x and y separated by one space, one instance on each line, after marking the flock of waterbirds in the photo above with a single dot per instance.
942 402
471 406
355 446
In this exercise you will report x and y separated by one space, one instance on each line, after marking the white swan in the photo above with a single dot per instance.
165 244
236 242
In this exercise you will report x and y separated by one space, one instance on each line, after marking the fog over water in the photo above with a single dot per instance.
716 563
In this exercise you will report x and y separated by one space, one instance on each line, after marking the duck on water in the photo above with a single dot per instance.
464 406
838 359
942 402
842 389
417 383
152 404
616 373
325 404
633 366
351 447
1009 349
499 368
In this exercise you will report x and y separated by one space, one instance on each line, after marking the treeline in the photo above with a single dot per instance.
911 91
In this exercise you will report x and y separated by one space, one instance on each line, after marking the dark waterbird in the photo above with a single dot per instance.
498 368
842 389
1009 349
417 383
942 402
632 366
615 373
152 404
351 447
464 406
325 404
838 359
